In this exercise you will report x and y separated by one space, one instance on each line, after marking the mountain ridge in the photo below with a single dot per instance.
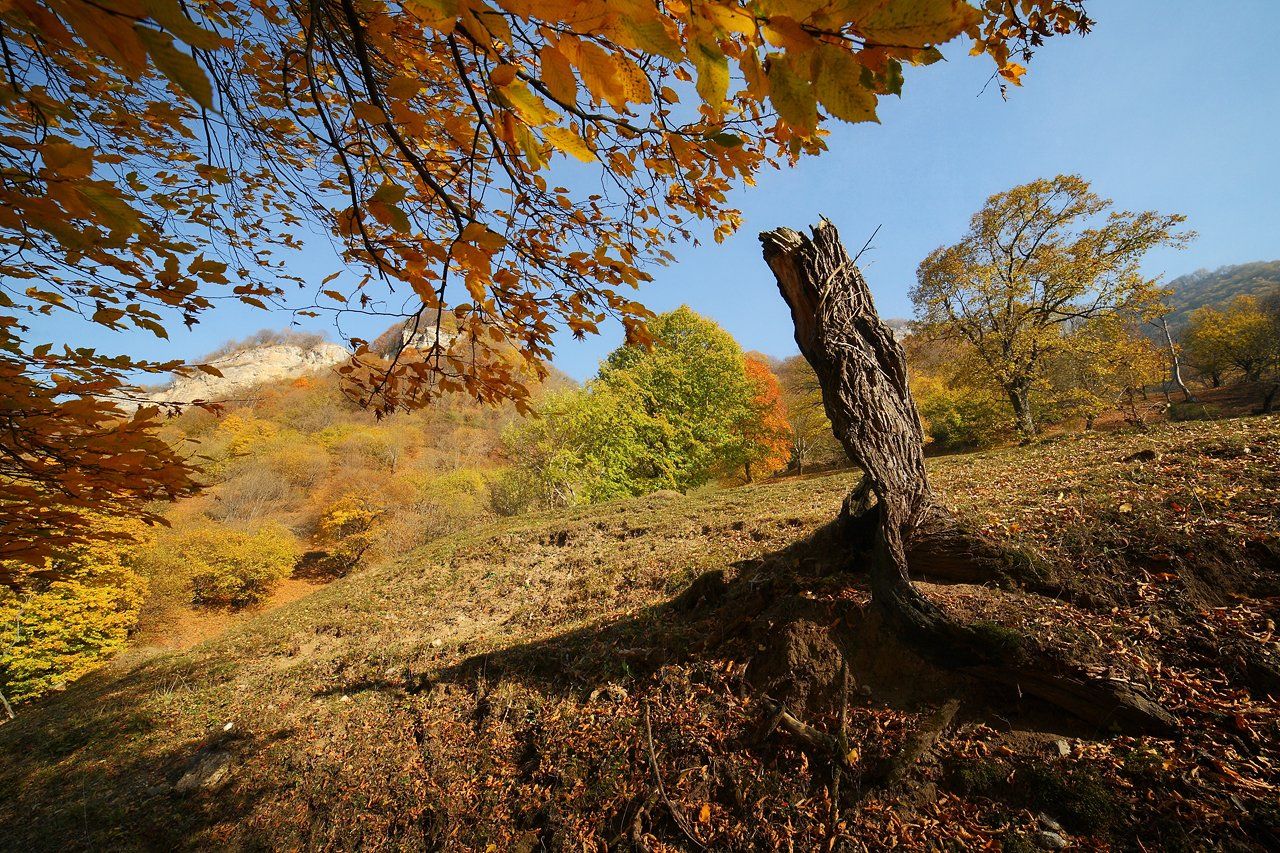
1217 286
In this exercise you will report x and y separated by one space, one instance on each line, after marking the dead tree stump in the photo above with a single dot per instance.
862 371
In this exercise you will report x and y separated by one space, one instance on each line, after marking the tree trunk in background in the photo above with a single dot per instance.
863 375
1020 400
1268 402
1176 362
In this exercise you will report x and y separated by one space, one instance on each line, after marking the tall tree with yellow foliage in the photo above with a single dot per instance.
1038 263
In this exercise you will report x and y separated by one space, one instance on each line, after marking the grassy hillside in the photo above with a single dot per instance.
1216 287
593 679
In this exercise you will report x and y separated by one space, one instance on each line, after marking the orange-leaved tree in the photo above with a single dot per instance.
768 435
161 155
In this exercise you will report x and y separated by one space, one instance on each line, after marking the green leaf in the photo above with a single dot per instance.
388 193
649 35
918 23
726 140
113 210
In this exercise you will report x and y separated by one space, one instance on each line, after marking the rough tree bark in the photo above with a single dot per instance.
862 371
1020 402
892 514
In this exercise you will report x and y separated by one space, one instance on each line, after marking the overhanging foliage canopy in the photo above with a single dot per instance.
159 156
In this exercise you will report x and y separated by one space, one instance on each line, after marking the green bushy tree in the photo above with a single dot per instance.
674 415
691 397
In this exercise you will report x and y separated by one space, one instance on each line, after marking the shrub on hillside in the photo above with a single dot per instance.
1193 412
266 338
226 566
53 633
296 461
959 418
513 491
372 445
347 517
433 507
347 528
245 432
254 492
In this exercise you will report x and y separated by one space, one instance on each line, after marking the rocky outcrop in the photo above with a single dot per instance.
246 368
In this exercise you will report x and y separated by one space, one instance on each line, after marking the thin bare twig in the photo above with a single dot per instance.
866 245
676 814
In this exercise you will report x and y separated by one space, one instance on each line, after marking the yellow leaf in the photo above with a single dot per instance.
369 113
402 88
569 142
170 15
532 109
472 232
503 75
792 95
787 33
557 75
733 19
110 35
529 146
599 73
67 160
704 815
107 316
713 71
635 86
440 15
1013 72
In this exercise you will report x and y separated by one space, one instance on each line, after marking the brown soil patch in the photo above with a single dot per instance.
183 627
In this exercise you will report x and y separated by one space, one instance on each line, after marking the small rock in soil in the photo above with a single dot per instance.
208 770
1049 824
1047 840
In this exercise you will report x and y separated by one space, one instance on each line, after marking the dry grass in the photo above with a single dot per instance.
488 690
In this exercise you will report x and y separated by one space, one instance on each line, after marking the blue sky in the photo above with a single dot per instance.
1172 105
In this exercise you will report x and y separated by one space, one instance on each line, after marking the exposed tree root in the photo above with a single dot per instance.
894 771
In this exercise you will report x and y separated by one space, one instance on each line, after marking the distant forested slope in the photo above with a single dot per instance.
1213 287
